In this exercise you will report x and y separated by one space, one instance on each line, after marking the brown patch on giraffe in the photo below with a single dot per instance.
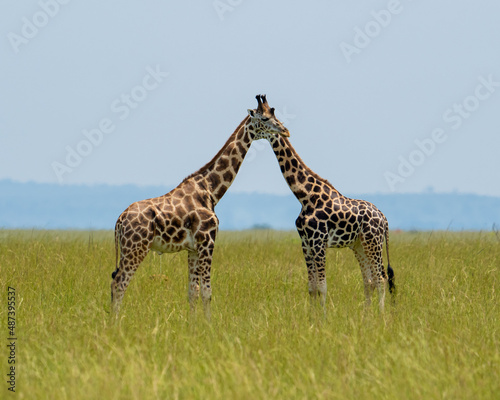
301 177
221 192
188 203
222 164
214 179
242 149
176 222
235 164
195 221
228 176
181 235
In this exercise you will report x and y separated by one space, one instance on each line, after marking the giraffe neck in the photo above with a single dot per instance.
306 185
219 173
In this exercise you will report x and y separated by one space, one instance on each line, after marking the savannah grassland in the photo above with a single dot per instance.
439 341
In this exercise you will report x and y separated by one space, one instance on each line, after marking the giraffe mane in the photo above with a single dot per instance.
210 164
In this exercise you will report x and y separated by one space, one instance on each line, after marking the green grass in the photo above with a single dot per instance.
440 340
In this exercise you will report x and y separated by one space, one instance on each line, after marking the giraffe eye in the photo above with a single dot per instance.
265 119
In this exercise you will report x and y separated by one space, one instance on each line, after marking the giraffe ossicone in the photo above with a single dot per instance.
329 219
184 218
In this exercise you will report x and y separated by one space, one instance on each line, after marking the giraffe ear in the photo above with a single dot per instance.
251 112
272 111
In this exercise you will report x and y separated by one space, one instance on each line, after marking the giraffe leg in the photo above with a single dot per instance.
380 275
200 262
315 255
369 256
373 249
194 280
129 262
366 272
204 268
319 261
311 272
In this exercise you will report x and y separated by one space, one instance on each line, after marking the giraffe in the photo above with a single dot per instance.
329 219
184 218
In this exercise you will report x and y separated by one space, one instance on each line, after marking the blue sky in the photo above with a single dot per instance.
379 96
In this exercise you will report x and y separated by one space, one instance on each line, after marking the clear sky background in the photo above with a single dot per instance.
379 96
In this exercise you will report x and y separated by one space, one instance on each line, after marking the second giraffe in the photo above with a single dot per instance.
329 219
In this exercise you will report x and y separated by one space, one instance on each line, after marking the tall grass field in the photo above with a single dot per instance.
438 340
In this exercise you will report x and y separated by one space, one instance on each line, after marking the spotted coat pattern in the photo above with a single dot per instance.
329 219
184 218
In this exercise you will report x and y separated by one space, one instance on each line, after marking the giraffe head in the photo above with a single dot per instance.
264 121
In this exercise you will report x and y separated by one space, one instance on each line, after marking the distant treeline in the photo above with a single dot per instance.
53 206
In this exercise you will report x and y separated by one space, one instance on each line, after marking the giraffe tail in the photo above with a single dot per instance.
390 271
